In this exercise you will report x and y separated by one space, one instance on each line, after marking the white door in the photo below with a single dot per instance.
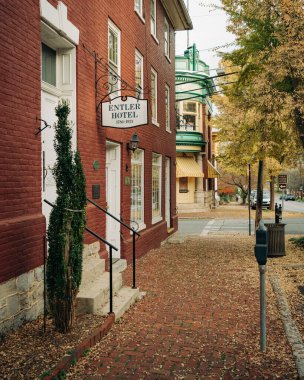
167 192
48 104
113 195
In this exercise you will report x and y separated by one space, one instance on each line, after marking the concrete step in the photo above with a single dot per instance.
93 267
95 294
120 265
122 301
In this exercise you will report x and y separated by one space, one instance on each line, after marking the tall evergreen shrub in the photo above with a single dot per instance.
66 227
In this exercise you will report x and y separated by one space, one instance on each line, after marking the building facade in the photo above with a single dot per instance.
196 172
88 53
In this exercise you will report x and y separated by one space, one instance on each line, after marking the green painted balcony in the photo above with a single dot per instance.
190 139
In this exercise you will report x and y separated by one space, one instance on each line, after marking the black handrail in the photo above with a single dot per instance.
111 265
113 216
111 246
133 237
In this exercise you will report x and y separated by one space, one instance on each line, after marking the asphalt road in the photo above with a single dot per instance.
292 206
202 227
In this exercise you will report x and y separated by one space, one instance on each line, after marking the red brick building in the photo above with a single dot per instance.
82 51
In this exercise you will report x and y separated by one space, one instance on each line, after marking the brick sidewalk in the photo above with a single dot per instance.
198 320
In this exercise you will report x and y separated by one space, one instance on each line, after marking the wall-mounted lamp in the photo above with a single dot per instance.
133 143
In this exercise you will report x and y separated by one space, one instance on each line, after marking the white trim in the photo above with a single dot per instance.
155 39
57 18
117 31
140 161
167 28
157 218
46 87
154 120
113 235
153 34
141 58
167 108
140 17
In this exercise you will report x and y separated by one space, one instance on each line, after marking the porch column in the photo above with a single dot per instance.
199 186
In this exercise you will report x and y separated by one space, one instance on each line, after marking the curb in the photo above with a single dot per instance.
291 330
59 371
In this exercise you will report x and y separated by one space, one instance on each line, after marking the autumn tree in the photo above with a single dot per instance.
270 40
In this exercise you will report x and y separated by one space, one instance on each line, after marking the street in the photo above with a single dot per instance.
294 226
291 206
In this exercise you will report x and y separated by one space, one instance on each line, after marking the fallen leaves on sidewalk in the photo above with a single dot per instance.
28 353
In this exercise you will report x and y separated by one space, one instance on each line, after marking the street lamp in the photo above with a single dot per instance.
133 143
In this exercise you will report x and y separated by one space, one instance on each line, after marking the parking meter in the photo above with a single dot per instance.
261 247
278 213
260 251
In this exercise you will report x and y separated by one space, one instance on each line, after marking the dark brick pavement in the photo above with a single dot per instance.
198 320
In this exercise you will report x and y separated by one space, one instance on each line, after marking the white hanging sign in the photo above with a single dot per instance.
125 112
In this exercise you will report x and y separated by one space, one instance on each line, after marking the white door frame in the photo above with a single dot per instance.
167 191
113 177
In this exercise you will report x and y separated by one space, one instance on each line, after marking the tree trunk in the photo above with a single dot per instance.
259 215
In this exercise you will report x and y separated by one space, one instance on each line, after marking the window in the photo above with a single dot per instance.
167 38
139 7
189 122
189 106
113 56
154 96
167 105
137 186
156 187
48 65
183 185
139 77
153 17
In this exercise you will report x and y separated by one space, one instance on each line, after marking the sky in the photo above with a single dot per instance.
209 31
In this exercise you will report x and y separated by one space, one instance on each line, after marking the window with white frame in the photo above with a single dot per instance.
167 38
48 70
154 95
167 105
138 6
139 76
156 187
137 186
113 56
153 17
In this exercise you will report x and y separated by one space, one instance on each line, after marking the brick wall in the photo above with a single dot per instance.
21 222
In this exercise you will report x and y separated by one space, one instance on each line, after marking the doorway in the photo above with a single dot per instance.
113 194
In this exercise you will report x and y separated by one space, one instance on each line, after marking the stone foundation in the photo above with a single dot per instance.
21 299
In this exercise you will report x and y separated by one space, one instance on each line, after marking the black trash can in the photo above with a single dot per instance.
276 239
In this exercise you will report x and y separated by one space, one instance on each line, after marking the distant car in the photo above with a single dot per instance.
266 200
290 197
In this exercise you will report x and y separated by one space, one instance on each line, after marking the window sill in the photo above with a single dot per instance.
156 123
168 130
157 219
49 88
155 38
140 17
141 226
168 59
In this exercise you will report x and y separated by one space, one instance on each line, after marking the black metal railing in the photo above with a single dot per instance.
111 247
134 233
